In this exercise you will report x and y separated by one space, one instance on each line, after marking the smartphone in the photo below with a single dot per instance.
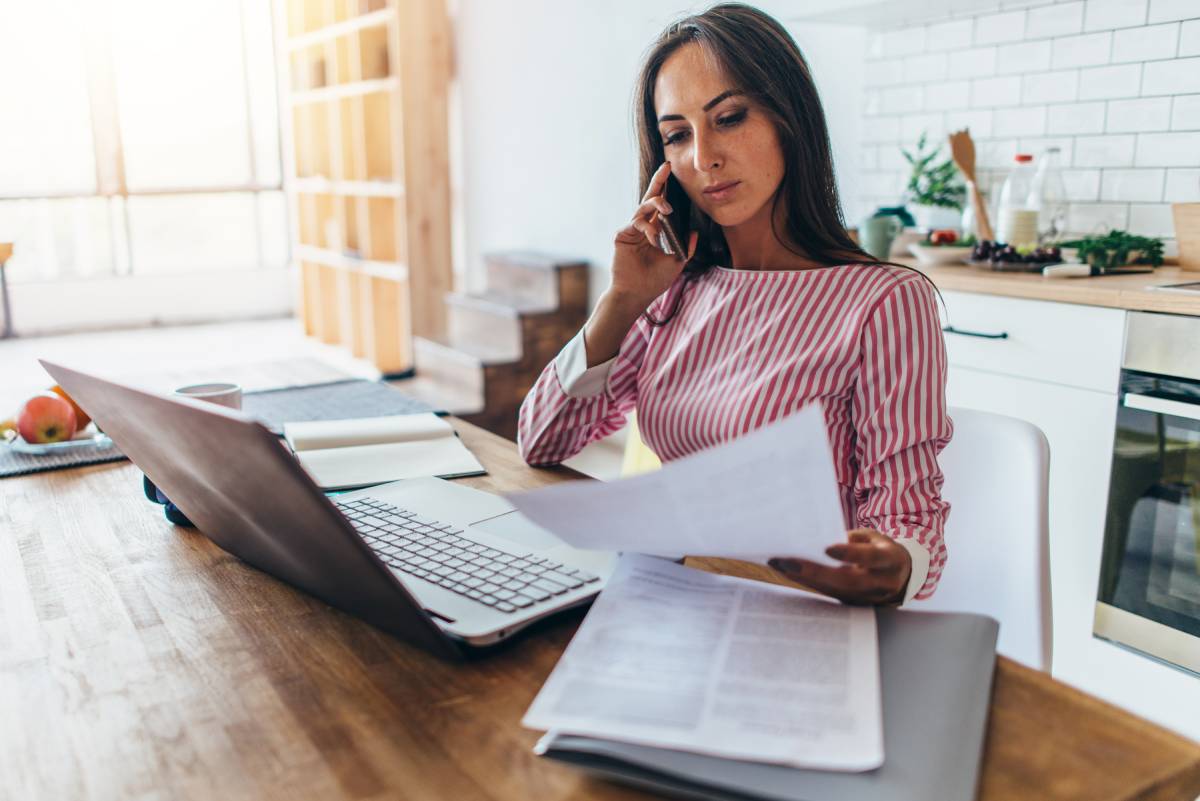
673 234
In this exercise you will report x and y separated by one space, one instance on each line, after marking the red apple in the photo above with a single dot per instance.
46 418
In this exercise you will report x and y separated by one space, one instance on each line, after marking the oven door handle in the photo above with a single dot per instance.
1148 403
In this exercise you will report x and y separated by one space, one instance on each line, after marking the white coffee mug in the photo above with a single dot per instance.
221 394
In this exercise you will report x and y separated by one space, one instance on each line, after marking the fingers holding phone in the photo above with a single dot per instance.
651 250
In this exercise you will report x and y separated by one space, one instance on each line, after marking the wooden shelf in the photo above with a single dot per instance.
344 90
356 70
353 188
315 37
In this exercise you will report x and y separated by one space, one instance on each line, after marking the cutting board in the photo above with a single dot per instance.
1187 234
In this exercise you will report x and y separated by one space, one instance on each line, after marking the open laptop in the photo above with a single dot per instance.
442 565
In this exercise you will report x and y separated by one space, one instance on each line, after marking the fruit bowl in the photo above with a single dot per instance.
90 437
940 254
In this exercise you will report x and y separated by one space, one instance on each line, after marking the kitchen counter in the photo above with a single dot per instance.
1115 291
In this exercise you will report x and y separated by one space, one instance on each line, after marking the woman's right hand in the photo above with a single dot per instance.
640 270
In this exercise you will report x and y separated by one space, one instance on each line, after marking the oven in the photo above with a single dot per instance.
1149 594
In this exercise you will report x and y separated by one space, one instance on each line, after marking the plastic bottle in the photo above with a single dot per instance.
1018 220
1048 195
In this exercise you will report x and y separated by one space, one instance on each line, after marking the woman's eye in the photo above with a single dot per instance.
732 119
727 121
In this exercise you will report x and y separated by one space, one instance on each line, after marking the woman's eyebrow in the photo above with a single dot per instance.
707 106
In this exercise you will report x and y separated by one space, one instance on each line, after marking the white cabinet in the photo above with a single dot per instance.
1078 424
1058 367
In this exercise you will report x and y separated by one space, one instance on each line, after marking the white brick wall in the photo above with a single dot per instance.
1114 83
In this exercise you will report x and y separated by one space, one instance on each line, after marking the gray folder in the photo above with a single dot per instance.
936 670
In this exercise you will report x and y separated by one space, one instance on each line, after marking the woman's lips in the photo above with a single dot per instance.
722 191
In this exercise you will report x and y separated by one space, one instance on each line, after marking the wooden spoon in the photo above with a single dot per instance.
962 151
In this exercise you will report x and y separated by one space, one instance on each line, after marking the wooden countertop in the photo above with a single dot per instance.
139 660
1115 291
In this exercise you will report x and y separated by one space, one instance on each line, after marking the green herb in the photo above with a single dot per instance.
1116 248
933 184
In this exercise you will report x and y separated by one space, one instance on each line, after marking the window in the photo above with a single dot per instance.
140 160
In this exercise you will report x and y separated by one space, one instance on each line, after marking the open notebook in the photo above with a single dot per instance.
346 454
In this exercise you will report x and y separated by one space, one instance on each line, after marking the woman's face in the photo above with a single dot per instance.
715 138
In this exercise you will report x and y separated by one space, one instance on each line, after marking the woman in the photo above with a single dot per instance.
774 308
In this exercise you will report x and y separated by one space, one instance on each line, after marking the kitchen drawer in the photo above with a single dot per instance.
1063 343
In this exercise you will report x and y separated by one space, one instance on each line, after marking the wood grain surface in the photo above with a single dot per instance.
137 660
1115 291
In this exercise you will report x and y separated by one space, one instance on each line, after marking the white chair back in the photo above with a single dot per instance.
996 472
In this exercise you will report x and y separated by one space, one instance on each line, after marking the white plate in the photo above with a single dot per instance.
89 438
940 254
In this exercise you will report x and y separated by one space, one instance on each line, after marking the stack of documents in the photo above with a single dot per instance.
346 454
678 658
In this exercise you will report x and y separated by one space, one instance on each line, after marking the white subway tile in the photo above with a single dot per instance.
882 184
1183 186
977 62
913 125
1104 151
890 158
1132 185
952 94
1151 219
1189 37
1076 118
1128 116
1050 87
1167 150
868 157
904 42
889 72
1096 218
996 153
991 92
901 99
1038 146
1026 121
1056 20
1148 43
1096 83
871 102
881 129
1007 26
1023 57
925 67
1185 114
1082 185
948 35
875 45
1167 10
1102 15
979 123
1176 77
1082 51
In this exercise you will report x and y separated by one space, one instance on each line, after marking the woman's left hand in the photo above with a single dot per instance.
876 571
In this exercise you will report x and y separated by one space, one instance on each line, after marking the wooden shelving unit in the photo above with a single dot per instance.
367 173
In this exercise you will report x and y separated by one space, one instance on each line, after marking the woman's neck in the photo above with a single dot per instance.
754 246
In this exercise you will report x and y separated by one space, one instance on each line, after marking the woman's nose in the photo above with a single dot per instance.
705 157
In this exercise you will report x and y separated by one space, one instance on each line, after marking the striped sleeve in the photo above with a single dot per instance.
902 424
554 425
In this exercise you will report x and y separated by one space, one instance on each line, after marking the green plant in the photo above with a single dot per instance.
1116 247
932 184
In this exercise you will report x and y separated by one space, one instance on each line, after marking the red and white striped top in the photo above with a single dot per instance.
749 347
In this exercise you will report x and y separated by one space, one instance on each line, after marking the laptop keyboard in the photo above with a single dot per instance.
438 553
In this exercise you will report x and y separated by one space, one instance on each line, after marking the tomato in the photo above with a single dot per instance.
945 236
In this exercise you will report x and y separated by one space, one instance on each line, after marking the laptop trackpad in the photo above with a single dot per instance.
515 527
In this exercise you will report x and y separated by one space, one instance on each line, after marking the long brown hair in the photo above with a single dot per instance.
762 61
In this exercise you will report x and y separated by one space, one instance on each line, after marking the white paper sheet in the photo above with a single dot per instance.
319 434
769 493
677 658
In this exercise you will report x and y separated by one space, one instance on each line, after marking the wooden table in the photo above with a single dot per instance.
138 660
